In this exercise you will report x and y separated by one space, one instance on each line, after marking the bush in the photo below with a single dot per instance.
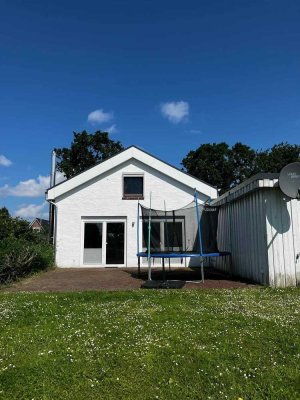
16 227
22 251
19 257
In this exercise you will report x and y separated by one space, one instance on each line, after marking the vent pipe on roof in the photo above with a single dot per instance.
53 169
51 206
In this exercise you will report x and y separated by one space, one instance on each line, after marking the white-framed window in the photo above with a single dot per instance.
133 186
166 235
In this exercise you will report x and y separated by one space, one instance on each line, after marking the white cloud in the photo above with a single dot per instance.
5 162
99 116
195 131
175 111
31 187
112 129
30 211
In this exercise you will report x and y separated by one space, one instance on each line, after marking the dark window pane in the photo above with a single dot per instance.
92 235
173 235
155 242
133 185
115 243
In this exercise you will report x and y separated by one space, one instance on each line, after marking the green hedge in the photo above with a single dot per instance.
19 257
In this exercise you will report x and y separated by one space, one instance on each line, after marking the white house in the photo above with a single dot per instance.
96 211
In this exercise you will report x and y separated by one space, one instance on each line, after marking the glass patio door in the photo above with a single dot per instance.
115 234
103 242
92 251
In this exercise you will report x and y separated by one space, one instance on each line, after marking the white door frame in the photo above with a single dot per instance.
103 221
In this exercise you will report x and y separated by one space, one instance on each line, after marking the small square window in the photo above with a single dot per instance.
133 187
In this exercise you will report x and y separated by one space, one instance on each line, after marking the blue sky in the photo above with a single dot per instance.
165 75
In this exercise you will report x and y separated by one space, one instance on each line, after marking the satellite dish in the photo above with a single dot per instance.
289 180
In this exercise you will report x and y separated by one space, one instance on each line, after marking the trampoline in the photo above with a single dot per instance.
188 232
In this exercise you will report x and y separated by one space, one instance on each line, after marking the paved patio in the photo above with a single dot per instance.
81 279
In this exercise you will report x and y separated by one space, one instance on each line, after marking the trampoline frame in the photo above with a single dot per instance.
169 255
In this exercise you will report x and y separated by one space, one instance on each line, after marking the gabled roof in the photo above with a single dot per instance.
131 152
44 223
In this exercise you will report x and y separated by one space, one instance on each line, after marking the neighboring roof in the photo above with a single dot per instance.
44 223
258 181
129 153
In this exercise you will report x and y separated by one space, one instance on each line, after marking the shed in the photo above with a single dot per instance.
261 227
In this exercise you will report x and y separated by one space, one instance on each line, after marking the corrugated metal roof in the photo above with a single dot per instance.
258 181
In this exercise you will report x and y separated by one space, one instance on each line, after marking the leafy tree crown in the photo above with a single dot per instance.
86 150
225 167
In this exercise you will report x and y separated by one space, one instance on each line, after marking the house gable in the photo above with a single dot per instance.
123 157
39 224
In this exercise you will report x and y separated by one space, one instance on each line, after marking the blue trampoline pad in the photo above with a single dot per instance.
183 255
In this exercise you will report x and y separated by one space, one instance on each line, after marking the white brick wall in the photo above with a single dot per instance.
102 197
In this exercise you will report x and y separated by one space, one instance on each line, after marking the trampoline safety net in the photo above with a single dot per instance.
178 231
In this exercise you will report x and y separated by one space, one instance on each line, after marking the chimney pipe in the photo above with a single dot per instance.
53 169
51 206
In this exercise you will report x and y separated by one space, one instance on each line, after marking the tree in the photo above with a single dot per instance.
242 162
220 165
86 150
226 167
274 159
210 162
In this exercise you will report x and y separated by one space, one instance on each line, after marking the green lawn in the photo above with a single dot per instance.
214 344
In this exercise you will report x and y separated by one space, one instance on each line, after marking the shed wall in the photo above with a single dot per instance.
283 238
242 230
262 231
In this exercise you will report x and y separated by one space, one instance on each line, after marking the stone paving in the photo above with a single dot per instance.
81 279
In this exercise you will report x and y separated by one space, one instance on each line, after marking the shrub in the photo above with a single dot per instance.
19 257
22 251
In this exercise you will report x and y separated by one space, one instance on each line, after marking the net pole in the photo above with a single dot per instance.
138 236
166 236
138 227
149 239
199 223
200 237
166 227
